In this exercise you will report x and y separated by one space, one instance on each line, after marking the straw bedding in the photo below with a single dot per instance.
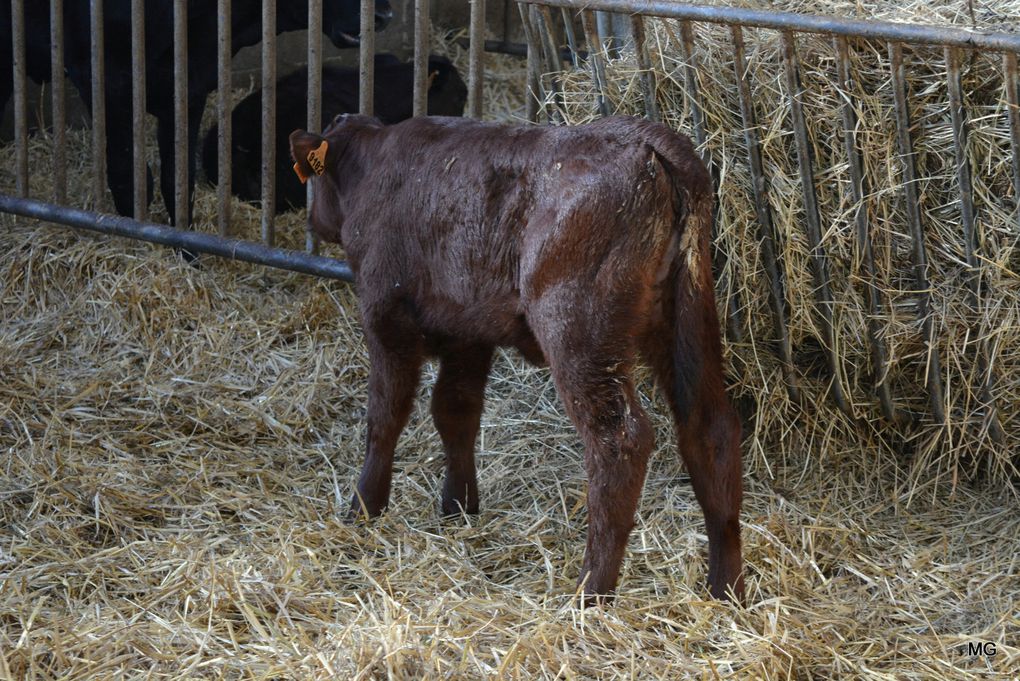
178 445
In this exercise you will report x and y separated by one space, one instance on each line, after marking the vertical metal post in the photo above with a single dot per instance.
314 122
554 63
596 59
20 105
181 216
933 368
98 105
139 169
224 175
648 85
534 94
568 30
1013 112
872 293
59 102
268 121
734 324
421 58
476 35
819 261
970 238
766 232
366 59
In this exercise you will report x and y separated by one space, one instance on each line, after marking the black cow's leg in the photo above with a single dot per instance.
456 410
119 156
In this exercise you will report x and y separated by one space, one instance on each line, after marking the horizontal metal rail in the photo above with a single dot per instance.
804 23
194 242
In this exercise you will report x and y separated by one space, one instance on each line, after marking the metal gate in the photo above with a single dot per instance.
546 56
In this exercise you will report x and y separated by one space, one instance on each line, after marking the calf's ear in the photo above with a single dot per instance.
309 153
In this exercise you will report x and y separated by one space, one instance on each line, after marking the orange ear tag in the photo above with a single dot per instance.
316 159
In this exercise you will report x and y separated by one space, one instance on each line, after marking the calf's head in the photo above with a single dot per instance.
325 160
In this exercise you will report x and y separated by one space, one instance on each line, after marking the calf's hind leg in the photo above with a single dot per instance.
592 369
457 401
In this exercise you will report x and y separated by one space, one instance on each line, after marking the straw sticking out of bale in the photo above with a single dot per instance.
974 328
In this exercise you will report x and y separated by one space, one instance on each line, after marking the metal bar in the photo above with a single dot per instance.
766 232
20 103
648 84
1013 112
268 121
691 86
139 169
804 23
476 34
933 369
98 97
223 114
734 323
59 101
366 59
181 216
533 95
872 293
420 106
819 261
195 242
970 238
554 66
568 29
314 120
596 58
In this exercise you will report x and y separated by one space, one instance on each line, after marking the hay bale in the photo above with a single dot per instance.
961 447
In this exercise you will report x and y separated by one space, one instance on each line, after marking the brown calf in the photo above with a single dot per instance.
584 246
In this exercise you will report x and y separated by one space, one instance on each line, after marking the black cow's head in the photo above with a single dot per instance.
341 19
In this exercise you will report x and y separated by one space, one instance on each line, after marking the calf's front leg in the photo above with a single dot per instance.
393 380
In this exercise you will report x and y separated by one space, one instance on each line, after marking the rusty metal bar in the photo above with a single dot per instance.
224 125
366 59
872 293
420 106
568 30
268 122
648 84
314 120
98 97
734 323
181 213
933 368
766 231
804 23
1013 112
20 101
970 237
534 95
596 58
59 101
476 34
812 221
139 169
194 242
554 63
691 86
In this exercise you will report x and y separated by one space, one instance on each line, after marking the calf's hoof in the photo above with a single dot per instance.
364 509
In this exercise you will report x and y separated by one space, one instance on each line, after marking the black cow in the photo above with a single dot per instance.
340 23
394 83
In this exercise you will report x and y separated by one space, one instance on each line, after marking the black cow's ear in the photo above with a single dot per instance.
309 153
